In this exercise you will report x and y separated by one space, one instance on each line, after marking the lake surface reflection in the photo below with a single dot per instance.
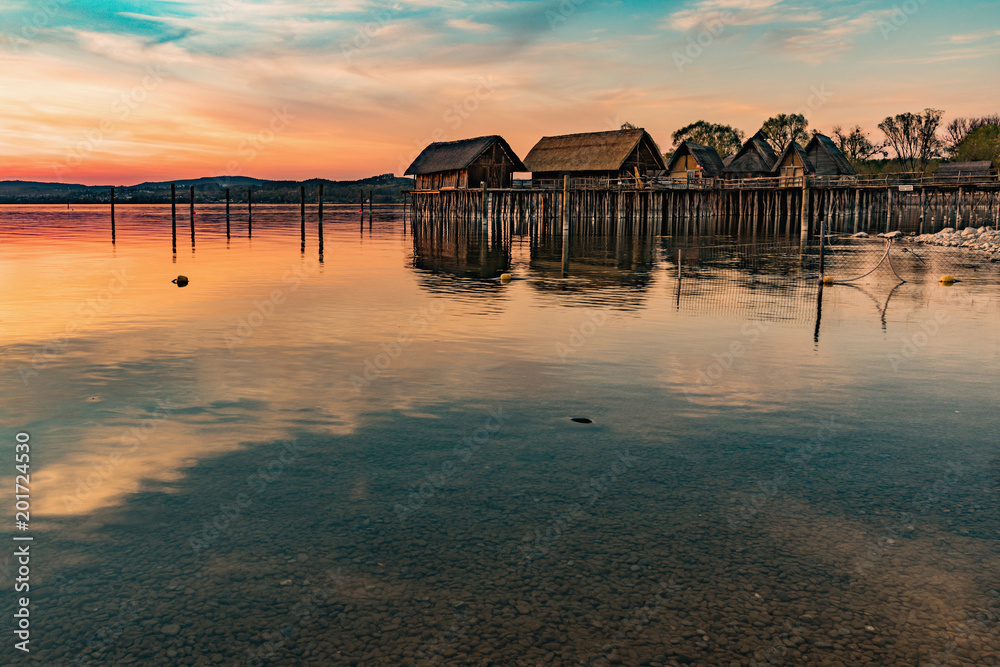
366 457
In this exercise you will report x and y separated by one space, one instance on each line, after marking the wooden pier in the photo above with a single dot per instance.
752 208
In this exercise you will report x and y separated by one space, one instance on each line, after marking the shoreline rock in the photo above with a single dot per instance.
984 239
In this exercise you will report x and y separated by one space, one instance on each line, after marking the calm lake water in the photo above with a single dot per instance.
370 459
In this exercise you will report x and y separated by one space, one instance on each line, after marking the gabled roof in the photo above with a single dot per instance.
706 156
823 143
757 155
953 169
458 155
589 151
793 147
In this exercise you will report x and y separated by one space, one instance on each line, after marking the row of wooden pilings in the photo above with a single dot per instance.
302 212
750 212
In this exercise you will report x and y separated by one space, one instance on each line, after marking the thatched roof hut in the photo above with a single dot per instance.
955 171
466 163
754 160
612 154
695 160
792 164
827 159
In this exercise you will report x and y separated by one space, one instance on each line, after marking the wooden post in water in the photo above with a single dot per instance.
321 218
821 244
227 214
192 215
804 221
112 215
173 214
302 213
249 212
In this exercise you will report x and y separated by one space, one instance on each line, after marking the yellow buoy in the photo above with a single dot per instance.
947 279
505 277
828 280
180 280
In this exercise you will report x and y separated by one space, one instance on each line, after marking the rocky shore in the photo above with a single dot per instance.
985 239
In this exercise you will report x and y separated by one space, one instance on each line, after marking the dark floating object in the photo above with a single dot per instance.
180 281
581 420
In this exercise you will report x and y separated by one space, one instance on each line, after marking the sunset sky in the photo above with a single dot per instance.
110 92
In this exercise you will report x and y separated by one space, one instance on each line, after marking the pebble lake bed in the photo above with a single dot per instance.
383 455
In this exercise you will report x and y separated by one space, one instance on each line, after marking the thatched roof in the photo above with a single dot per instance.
827 158
590 151
756 156
793 147
706 157
458 155
956 169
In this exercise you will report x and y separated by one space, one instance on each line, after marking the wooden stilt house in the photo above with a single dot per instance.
827 159
964 171
693 162
792 165
755 160
467 163
594 157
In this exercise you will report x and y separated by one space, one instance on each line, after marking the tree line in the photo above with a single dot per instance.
917 141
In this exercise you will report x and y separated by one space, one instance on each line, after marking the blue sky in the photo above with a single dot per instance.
125 91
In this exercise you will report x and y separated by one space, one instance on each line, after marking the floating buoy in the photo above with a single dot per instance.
827 280
581 420
505 277
180 281
947 279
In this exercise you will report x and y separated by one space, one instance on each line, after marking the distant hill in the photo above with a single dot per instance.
386 188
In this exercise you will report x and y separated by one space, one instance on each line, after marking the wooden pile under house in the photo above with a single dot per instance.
792 164
754 160
693 161
827 159
616 154
962 171
466 163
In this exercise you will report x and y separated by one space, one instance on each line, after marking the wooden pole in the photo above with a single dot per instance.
112 214
227 213
302 214
804 221
249 212
562 207
192 215
173 214
321 218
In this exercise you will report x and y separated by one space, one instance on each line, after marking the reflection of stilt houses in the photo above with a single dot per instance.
692 162
754 160
594 158
792 165
467 163
827 159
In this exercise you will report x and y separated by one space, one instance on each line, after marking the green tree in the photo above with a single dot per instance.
913 136
958 129
856 146
982 143
784 128
725 139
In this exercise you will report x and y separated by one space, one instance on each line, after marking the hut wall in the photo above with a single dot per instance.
442 179
824 164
